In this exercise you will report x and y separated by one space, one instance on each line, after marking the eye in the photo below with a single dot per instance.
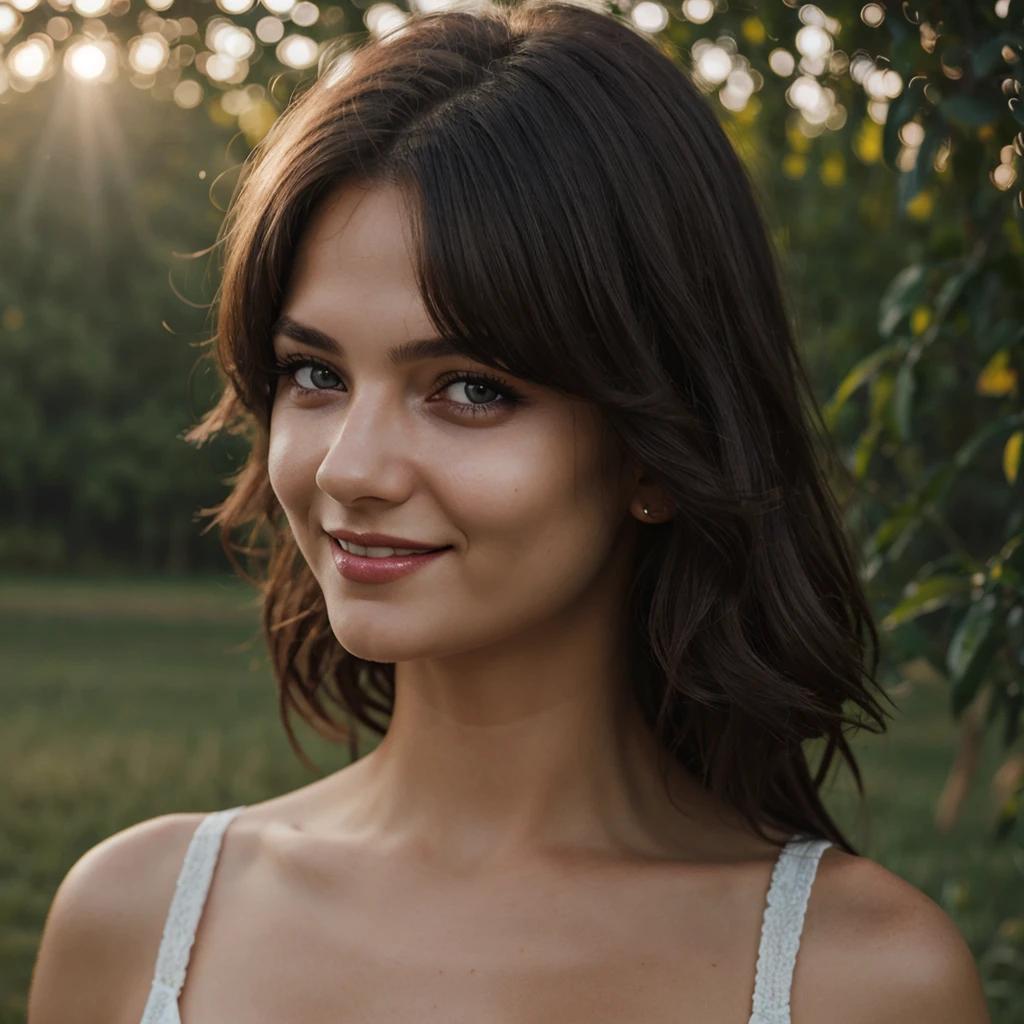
315 376
480 385
305 374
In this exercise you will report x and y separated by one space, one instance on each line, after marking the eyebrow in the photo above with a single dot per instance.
400 355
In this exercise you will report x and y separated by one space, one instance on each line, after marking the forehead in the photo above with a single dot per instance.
354 261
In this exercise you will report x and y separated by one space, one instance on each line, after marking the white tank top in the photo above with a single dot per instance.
781 925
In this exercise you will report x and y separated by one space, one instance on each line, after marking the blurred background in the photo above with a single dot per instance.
885 140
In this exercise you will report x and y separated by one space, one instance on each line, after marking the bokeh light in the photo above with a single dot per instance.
159 5
148 53
25 5
91 8
227 38
738 88
220 67
912 134
382 18
305 14
235 6
810 14
10 22
698 11
298 52
278 6
430 6
649 16
714 64
269 30
813 42
782 62
58 28
86 61
30 60
872 14
188 94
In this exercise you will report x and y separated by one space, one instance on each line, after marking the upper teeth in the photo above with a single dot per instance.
358 549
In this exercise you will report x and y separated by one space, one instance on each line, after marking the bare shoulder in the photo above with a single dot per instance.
98 950
877 950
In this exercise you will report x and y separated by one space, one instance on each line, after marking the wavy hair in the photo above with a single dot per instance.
580 221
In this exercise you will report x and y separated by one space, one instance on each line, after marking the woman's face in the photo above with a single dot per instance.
531 495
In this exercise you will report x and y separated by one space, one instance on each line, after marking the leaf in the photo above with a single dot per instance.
903 397
970 652
1011 456
902 295
970 111
860 374
930 595
865 449
939 482
987 56
998 378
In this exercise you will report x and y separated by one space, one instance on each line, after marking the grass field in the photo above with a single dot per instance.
123 700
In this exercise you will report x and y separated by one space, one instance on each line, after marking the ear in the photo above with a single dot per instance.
649 496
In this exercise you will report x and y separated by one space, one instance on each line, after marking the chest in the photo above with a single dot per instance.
595 947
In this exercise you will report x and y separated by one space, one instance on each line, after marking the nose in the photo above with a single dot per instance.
369 450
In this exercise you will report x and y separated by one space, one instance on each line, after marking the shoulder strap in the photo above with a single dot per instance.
189 898
782 926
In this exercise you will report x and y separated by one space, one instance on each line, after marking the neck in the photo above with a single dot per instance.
534 748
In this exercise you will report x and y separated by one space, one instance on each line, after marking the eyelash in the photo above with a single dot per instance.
510 396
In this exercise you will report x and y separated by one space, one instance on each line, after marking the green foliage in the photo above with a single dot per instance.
96 350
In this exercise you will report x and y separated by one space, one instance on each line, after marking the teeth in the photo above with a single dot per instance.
358 549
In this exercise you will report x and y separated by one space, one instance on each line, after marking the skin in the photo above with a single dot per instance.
508 853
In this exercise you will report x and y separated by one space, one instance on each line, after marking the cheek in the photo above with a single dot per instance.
545 504
292 462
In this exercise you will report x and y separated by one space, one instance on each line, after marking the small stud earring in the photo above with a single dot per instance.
646 513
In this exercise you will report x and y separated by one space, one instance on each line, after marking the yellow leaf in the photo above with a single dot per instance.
833 170
998 378
920 319
921 206
753 30
1011 456
867 143
794 166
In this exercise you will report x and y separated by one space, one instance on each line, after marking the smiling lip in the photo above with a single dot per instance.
362 569
381 540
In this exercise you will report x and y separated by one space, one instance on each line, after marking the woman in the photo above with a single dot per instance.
544 505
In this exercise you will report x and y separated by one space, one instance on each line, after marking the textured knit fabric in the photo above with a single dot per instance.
781 925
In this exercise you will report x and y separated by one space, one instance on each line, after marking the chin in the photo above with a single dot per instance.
372 638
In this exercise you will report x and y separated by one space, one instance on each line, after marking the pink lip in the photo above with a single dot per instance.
378 570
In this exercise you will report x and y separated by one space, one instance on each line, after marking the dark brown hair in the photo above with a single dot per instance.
581 221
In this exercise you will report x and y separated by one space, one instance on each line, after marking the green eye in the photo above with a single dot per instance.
319 378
